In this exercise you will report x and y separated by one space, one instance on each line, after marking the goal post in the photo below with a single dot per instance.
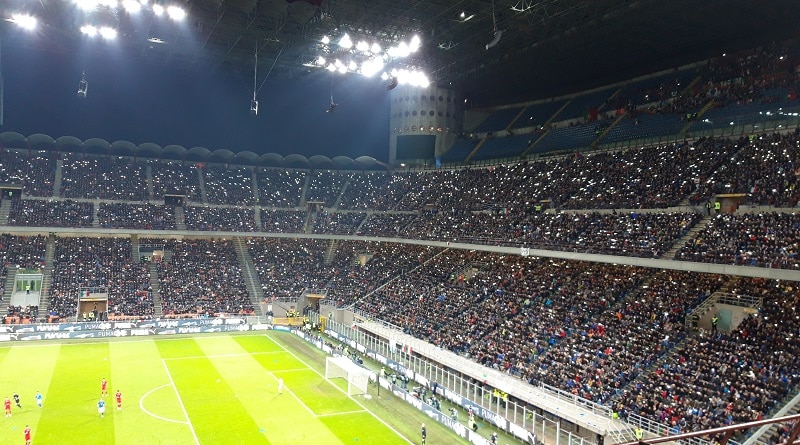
358 378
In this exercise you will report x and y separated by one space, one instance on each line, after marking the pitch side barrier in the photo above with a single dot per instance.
109 329
460 429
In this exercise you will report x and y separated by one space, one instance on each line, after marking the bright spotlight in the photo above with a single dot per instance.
352 66
331 67
132 6
362 46
325 40
415 44
321 61
176 13
158 10
143 2
385 76
24 21
108 3
343 69
89 30
107 33
372 67
86 5
376 49
345 42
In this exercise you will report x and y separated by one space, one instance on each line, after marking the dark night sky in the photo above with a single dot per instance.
167 105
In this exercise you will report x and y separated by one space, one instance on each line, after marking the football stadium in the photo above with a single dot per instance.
360 222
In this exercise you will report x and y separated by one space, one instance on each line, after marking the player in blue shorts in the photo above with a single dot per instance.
39 399
101 407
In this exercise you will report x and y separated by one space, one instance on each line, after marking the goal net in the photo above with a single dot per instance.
356 376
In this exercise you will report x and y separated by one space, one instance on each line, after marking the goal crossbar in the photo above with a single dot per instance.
342 367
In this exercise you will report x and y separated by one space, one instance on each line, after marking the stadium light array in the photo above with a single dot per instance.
132 6
158 10
368 58
24 21
176 13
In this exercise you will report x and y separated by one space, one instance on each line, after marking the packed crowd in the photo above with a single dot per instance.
23 314
229 186
286 267
34 171
748 239
764 168
338 223
283 221
136 216
94 177
324 186
202 277
99 263
175 178
50 213
280 188
207 218
717 379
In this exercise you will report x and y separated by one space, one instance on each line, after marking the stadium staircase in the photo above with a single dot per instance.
148 171
9 289
762 435
180 218
330 252
201 180
5 209
95 210
57 179
341 193
720 297
697 118
607 129
311 218
249 273
155 290
670 254
47 276
304 191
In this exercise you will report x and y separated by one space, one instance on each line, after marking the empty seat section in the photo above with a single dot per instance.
644 126
580 105
460 150
504 147
568 138
538 114
498 120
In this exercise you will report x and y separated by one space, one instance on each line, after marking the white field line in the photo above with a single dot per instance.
344 413
240 354
166 419
180 402
343 391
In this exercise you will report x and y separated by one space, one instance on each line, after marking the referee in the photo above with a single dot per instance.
424 434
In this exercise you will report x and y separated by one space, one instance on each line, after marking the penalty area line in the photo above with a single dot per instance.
149 413
180 402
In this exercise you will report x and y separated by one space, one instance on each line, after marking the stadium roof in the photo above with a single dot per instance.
548 47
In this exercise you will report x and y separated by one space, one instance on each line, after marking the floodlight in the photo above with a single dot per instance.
415 44
176 13
108 3
86 5
384 76
254 107
371 67
343 69
338 63
352 66
132 6
158 10
107 33
143 2
321 61
331 67
376 49
24 21
325 40
362 46
89 30
345 42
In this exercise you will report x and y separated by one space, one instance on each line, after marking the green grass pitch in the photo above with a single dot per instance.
213 389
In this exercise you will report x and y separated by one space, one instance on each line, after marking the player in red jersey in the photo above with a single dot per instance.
27 433
7 405
103 388
118 396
